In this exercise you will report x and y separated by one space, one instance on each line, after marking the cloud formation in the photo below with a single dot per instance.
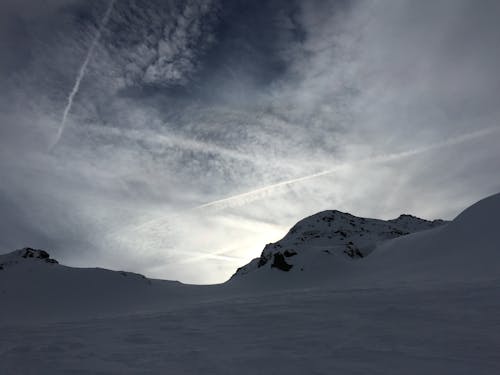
160 45
82 71
203 130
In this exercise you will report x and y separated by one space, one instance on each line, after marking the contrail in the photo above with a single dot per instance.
243 198
247 197
81 73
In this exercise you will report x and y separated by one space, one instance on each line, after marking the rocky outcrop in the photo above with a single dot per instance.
334 233
280 263
24 254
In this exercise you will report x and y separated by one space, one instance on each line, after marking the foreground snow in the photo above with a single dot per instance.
425 302
450 330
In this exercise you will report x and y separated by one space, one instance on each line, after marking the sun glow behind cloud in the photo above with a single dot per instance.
207 245
193 142
201 234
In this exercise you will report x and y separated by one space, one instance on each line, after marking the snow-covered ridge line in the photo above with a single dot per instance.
335 233
10 259
421 296
36 259
325 250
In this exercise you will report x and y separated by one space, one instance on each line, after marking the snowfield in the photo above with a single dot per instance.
426 302
451 330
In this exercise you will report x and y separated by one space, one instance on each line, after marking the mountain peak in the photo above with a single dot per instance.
336 234
25 254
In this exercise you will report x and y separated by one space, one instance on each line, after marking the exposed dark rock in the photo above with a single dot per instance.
29 252
352 251
337 234
43 254
280 263
262 261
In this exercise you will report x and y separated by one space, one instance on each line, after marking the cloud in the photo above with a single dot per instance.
203 130
82 71
160 45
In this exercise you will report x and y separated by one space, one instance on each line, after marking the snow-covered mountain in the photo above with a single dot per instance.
19 256
337 249
32 281
466 249
329 247
424 302
332 233
34 286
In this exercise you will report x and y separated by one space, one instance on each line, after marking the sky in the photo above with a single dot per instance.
177 138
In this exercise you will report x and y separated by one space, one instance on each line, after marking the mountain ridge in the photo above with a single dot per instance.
333 232
464 250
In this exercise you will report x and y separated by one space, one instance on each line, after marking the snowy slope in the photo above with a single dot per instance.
425 302
25 256
35 287
466 249
322 331
332 239
330 248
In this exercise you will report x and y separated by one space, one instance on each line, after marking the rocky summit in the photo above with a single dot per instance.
334 233
27 253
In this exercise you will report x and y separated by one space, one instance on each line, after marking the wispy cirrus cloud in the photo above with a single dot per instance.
160 45
203 130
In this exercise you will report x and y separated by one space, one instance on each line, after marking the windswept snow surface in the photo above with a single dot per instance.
426 302
452 330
